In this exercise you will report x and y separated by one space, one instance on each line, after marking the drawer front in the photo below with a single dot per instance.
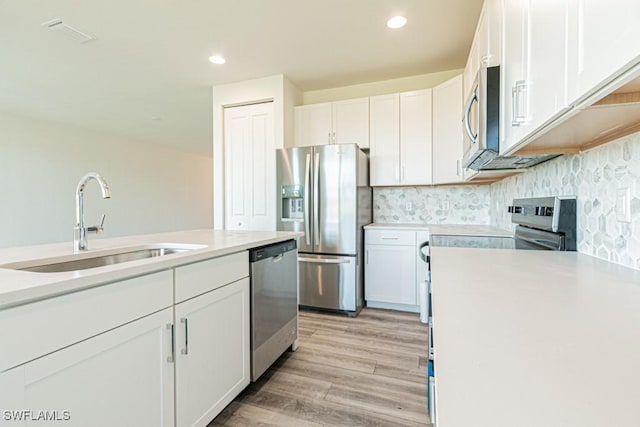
201 277
33 330
390 237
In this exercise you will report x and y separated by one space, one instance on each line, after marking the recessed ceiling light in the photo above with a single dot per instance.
217 59
397 22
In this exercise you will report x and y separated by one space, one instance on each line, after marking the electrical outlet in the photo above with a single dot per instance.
623 204
444 205
409 206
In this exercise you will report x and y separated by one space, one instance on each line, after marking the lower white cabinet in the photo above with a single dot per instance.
123 377
393 269
390 274
212 352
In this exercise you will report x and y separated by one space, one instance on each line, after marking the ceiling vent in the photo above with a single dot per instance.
59 26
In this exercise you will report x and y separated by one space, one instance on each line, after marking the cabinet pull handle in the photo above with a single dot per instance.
458 168
389 238
185 350
402 174
329 138
172 356
366 257
519 116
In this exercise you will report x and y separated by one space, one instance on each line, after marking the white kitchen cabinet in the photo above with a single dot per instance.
120 377
401 139
535 66
250 167
447 132
393 269
212 352
605 42
486 46
340 122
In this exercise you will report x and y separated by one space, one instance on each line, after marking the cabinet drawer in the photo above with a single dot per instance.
196 279
33 330
390 237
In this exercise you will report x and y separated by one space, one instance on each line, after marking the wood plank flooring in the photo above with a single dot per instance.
363 371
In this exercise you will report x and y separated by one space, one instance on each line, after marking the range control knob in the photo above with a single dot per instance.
514 209
544 211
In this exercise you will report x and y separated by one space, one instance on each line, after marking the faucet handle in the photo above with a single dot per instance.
98 228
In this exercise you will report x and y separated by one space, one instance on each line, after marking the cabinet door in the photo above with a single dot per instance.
123 377
514 72
490 53
416 137
250 189
607 37
313 124
351 122
447 132
547 59
384 156
390 274
212 352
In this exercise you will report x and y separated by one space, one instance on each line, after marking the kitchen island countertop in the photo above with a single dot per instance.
532 338
20 287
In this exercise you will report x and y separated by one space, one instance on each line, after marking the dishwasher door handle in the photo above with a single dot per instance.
325 260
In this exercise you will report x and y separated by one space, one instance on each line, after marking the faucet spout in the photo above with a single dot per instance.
80 231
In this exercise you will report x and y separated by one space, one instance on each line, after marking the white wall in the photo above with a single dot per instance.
154 188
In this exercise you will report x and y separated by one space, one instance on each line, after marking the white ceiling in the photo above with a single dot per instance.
150 58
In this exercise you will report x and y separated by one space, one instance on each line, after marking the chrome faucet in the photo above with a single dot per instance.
80 231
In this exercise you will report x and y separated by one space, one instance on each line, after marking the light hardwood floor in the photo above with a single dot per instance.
363 371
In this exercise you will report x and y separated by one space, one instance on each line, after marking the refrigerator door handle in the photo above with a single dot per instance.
316 199
324 260
307 193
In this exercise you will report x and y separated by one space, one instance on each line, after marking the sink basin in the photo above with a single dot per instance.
86 261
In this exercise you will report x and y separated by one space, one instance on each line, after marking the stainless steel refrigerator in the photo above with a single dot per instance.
324 192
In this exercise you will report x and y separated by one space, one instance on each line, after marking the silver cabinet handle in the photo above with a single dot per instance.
307 218
366 256
519 115
324 260
171 357
458 168
185 350
402 174
329 138
316 199
334 138
390 238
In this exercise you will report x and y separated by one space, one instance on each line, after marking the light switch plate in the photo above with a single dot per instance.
623 204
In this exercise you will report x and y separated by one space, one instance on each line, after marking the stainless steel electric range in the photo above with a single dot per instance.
543 223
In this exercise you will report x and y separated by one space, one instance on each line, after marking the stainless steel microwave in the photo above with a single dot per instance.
481 119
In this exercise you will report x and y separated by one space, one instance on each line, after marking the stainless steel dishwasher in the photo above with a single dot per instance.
274 303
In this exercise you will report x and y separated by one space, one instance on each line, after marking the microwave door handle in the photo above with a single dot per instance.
467 117
307 193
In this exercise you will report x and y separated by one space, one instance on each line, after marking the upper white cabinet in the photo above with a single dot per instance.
534 71
250 167
340 122
605 38
486 47
401 139
447 132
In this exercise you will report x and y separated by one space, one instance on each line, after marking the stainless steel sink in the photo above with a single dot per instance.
65 264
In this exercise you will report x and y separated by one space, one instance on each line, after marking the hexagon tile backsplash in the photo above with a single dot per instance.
460 204
594 177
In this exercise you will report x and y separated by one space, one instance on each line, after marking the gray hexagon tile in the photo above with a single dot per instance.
592 176
461 204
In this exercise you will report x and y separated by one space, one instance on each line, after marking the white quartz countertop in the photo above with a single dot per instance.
447 229
19 287
535 338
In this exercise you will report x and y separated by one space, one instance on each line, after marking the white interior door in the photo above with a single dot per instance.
250 191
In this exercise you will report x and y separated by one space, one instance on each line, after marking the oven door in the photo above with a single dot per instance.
531 238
